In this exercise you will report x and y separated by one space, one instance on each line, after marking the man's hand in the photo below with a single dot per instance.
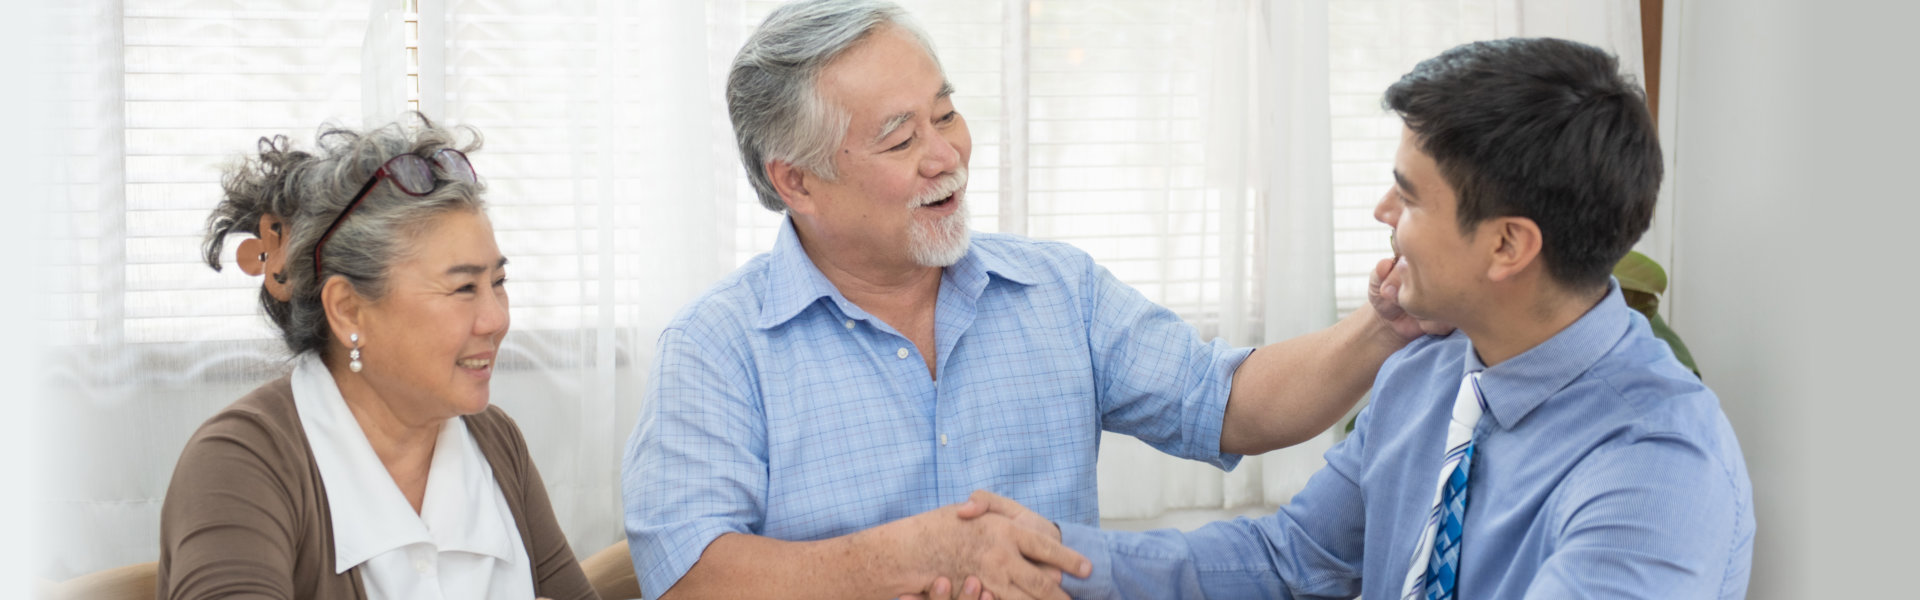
1039 542
1383 292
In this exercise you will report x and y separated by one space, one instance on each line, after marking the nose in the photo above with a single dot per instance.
492 318
943 154
1387 210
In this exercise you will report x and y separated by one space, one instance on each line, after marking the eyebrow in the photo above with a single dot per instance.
1401 181
471 269
894 122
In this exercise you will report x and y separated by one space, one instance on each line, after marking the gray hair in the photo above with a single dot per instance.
308 190
772 92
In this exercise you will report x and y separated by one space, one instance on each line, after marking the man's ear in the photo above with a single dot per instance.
345 308
1517 245
791 183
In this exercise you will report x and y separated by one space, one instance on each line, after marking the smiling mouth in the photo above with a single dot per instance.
940 203
474 363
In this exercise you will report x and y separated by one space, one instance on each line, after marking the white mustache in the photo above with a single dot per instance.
946 186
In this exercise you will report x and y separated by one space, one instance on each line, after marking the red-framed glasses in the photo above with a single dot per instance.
412 175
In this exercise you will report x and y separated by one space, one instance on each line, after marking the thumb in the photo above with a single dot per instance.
971 509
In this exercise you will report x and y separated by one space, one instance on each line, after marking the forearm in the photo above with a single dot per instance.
865 564
1286 393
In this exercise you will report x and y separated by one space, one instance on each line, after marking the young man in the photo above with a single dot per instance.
1551 447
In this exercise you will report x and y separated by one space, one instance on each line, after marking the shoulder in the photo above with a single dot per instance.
1650 390
263 420
1656 419
253 448
1031 261
730 305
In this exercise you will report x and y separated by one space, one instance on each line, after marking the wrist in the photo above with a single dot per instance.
890 558
1378 332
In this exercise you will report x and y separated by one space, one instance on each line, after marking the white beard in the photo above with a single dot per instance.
943 242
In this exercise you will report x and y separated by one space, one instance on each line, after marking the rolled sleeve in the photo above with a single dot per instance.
696 465
1156 379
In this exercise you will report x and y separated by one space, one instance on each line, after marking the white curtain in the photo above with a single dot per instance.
1223 156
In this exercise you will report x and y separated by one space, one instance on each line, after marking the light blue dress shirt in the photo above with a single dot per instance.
1602 469
778 408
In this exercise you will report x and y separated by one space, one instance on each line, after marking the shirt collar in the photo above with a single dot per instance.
1515 387
369 516
463 506
795 283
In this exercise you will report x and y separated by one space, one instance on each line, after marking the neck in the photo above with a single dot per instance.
867 279
403 442
1511 325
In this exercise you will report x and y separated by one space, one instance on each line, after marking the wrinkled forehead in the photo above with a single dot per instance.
883 75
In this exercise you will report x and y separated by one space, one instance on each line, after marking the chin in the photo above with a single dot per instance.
472 404
940 243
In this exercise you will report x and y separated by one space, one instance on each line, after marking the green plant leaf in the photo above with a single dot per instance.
1662 331
1647 304
1638 273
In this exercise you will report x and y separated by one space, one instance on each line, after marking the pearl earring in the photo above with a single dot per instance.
354 356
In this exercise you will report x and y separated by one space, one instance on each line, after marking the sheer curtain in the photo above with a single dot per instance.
144 341
1222 156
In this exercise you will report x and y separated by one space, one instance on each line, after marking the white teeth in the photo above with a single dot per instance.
475 363
943 189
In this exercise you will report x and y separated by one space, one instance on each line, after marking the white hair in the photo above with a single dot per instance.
773 95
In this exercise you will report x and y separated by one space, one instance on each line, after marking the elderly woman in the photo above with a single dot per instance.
376 469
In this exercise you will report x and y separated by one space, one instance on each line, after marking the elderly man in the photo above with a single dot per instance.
808 417
1554 448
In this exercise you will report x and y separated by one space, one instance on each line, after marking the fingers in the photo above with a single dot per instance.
941 589
983 502
971 509
1049 552
1035 583
1383 290
972 589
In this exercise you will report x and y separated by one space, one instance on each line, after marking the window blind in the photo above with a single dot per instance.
181 88
1373 43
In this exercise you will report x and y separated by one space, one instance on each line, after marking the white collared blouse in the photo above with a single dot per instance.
462 545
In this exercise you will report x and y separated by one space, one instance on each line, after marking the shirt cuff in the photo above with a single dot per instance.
1089 542
1230 362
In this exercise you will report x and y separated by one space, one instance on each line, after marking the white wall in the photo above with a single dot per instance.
1796 193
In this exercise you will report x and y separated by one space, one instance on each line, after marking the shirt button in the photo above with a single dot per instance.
849 323
943 439
420 565
902 353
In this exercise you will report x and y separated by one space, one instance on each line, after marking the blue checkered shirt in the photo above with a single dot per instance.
778 408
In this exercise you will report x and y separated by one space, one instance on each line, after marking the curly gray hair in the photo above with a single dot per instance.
772 96
308 190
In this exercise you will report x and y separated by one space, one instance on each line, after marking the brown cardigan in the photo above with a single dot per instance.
246 514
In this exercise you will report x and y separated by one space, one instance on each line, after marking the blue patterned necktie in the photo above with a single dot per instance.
1436 559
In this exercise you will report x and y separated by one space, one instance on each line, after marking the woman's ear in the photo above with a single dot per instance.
346 309
1518 246
273 249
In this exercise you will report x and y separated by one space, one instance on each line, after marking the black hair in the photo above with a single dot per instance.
1545 129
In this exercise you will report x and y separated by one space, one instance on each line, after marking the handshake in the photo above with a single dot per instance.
994 547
